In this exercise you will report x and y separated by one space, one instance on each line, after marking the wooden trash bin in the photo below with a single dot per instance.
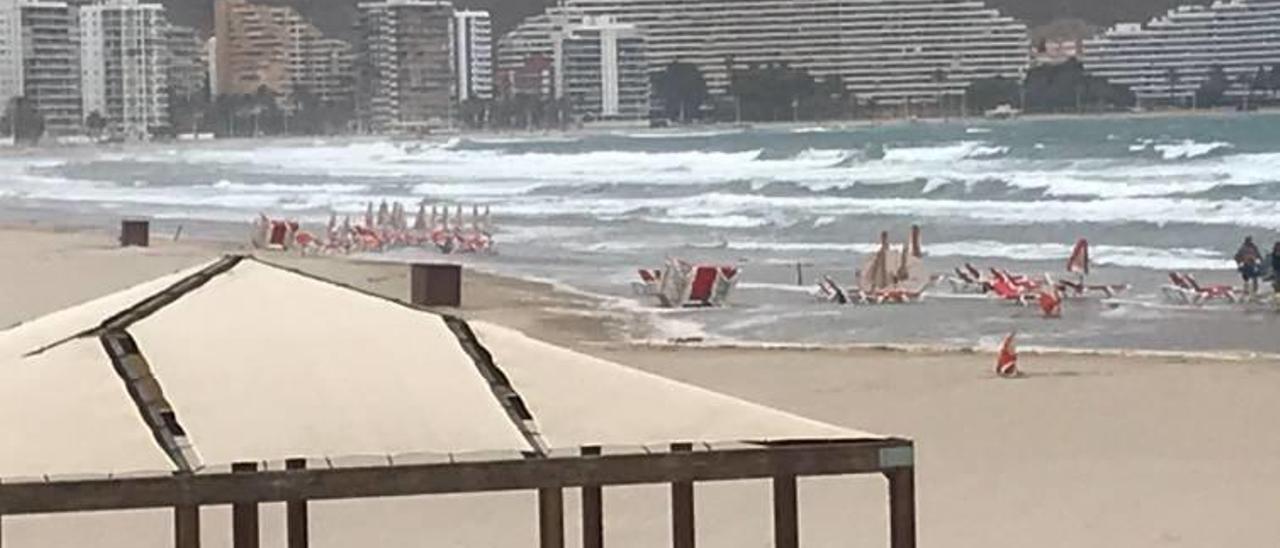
135 233
435 285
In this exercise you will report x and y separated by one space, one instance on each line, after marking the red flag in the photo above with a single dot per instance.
1079 261
1007 362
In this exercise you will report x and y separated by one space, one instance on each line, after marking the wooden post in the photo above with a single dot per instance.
435 285
296 518
682 532
135 233
786 523
592 509
902 507
244 516
186 526
551 518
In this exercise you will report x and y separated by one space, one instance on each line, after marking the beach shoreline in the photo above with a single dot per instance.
548 309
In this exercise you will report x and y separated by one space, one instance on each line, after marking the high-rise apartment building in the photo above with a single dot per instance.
10 52
405 76
39 61
124 65
1173 55
891 51
271 46
524 52
253 46
602 71
326 69
187 62
473 54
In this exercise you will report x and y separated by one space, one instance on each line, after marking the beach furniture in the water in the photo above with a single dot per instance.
1022 288
1184 289
682 284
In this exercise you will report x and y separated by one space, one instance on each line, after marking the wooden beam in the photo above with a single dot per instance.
551 518
592 509
297 521
186 526
861 457
682 513
244 515
902 507
786 523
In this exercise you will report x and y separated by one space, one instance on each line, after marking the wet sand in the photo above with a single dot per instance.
1085 451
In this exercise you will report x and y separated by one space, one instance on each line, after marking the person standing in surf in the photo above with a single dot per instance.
1274 261
1249 263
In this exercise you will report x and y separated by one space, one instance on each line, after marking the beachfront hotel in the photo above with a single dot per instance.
889 51
1171 56
39 61
123 65
473 54
601 70
405 77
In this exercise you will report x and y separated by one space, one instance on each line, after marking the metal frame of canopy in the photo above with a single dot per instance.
245 487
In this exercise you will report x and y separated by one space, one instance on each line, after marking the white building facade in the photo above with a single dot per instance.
39 61
601 69
1170 57
10 51
473 54
891 51
123 46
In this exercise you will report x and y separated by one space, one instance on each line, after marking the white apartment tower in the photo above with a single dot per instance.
10 51
1172 55
473 54
124 54
39 61
891 51
601 69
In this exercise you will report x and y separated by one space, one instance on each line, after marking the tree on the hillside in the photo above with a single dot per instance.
831 99
771 93
1213 90
474 112
989 93
96 124
682 90
22 121
1257 82
1067 87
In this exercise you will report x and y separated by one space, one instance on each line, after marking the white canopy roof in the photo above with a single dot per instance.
259 363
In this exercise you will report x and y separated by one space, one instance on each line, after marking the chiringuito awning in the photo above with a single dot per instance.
239 360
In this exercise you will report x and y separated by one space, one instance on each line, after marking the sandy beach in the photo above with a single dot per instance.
1084 451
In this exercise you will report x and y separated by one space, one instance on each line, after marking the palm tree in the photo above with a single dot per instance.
1173 86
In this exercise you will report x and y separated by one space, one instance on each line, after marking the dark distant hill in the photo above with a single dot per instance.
338 16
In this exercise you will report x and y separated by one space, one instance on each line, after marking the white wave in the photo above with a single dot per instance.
684 134
815 129
230 186
551 139
1184 150
977 130
1104 255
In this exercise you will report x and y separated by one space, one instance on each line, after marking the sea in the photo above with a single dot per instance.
788 204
